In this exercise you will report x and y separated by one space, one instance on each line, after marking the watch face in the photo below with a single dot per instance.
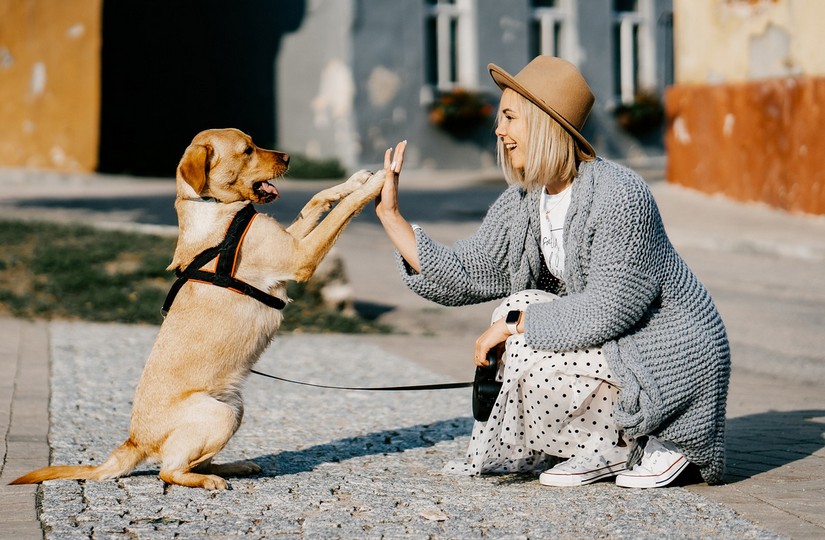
512 317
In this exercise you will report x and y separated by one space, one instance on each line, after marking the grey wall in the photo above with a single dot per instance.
371 52
315 85
388 65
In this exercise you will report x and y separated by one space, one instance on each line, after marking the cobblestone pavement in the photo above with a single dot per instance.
337 464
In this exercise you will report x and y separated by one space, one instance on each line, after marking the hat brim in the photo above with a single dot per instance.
505 80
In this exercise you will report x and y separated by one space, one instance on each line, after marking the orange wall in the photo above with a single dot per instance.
50 83
754 141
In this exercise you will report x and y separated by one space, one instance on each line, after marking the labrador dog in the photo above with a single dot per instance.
188 402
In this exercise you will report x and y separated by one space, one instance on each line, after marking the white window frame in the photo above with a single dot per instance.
547 18
463 12
641 59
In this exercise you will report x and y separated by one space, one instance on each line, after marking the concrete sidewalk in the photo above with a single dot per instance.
763 267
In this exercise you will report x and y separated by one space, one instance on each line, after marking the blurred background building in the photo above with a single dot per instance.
746 111
121 86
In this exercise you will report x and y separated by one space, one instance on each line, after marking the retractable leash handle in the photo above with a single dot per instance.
486 388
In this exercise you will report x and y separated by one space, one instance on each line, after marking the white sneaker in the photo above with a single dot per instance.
586 469
660 465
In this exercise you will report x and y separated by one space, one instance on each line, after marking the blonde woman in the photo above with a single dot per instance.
616 362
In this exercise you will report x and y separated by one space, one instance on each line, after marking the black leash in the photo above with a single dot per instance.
442 386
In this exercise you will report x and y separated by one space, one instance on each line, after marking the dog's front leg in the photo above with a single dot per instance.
322 201
315 245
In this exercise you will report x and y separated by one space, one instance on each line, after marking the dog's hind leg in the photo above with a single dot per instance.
209 425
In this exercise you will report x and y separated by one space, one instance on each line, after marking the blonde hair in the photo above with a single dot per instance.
552 152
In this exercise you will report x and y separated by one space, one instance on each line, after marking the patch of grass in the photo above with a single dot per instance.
55 271
302 167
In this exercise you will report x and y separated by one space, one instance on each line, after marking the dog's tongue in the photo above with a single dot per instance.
269 188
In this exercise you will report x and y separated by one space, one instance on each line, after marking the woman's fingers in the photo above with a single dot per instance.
386 204
398 157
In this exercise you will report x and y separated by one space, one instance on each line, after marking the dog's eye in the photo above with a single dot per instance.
248 151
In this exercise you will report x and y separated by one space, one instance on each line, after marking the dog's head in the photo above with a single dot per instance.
225 164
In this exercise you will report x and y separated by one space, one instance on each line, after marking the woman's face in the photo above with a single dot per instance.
512 129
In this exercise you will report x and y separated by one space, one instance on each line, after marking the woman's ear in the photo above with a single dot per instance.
194 166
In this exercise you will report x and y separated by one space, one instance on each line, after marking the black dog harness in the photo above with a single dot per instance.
224 274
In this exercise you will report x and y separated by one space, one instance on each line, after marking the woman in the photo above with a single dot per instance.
615 358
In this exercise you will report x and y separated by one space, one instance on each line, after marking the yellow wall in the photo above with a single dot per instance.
50 83
744 114
741 40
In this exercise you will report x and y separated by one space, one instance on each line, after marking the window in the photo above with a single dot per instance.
634 48
548 25
450 44
627 21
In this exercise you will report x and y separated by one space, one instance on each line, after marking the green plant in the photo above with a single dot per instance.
301 166
645 114
459 111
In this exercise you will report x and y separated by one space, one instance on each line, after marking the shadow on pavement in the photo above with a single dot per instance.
759 443
381 442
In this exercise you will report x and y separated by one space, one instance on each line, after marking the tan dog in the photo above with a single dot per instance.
188 402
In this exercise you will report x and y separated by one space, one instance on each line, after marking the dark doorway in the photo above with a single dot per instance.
173 68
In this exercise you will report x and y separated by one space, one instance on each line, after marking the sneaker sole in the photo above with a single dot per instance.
653 480
578 479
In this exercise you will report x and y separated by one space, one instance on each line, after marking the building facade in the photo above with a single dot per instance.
121 86
359 75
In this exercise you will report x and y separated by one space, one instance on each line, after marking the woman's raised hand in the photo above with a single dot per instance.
386 204
386 208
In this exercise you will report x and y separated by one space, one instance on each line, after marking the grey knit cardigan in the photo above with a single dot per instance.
625 290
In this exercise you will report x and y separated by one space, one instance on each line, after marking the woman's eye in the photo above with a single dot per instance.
248 151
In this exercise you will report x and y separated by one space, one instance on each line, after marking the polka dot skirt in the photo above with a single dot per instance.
552 405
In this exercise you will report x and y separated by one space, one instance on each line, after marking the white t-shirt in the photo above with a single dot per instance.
553 212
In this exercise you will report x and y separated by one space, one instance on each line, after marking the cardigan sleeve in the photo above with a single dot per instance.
626 238
474 270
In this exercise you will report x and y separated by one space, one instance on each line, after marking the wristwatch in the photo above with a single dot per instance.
511 320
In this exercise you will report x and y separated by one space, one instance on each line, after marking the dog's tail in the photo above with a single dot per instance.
122 461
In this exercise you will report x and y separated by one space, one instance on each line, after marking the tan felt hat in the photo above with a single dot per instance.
557 88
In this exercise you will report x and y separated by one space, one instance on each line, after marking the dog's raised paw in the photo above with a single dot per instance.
374 183
359 178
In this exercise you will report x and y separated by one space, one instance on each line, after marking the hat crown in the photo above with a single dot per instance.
560 86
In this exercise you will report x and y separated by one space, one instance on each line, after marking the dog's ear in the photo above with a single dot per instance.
194 166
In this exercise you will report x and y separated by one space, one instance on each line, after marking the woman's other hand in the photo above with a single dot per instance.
493 337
